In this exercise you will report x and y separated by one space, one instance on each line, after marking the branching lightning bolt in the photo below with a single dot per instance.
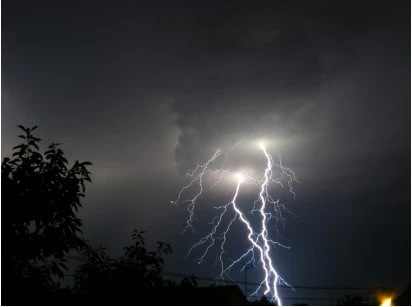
259 252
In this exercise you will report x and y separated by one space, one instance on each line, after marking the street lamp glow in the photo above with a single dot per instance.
387 301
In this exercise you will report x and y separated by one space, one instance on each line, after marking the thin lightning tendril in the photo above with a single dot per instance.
264 206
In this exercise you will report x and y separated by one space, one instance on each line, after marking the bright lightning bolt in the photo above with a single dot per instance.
258 236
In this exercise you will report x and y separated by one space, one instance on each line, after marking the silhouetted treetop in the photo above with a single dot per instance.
41 195
138 270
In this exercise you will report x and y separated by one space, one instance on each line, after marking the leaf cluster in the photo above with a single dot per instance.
138 268
41 196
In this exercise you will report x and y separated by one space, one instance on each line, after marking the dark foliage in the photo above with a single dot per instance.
189 282
134 278
138 271
263 301
40 198
353 301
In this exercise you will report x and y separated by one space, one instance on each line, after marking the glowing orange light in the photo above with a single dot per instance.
386 301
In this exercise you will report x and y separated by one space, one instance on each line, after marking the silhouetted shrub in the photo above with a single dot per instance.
101 278
40 198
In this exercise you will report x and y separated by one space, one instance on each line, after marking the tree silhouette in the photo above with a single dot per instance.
352 301
189 282
127 279
41 196
263 301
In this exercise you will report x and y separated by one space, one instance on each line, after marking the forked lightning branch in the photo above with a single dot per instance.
270 212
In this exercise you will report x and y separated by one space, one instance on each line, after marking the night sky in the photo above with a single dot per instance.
147 89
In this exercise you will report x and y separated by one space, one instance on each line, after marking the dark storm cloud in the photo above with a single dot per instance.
250 68
290 84
145 90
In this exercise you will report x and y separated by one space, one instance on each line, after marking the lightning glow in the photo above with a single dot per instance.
269 210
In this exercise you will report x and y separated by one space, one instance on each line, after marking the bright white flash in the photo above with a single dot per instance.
270 211
240 177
